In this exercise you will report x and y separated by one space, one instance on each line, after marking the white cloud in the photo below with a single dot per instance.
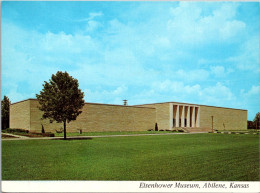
229 27
193 75
221 26
62 43
255 90
92 64
249 99
114 96
218 70
92 15
95 14
248 57
162 42
91 22
92 26
217 94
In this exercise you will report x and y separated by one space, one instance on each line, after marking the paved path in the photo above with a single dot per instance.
96 136
16 136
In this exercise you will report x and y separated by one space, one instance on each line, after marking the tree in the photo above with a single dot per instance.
5 112
257 120
250 125
61 99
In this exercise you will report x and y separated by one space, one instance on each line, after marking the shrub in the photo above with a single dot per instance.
16 130
43 131
48 134
59 131
156 127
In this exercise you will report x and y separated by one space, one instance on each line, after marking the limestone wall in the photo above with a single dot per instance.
162 114
99 117
20 115
37 122
103 117
223 118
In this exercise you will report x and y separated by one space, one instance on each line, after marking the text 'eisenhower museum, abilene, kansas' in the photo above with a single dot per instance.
107 117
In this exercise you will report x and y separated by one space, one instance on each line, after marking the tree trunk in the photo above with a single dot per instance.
64 123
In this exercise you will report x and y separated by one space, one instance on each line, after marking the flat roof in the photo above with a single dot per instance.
23 101
192 104
118 105
137 106
92 104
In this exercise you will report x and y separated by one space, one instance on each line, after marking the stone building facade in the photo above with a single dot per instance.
105 117
196 117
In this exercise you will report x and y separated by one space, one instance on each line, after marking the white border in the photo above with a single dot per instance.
127 186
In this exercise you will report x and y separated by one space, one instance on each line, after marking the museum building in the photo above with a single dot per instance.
96 117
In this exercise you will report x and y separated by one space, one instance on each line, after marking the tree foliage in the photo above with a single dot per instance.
250 125
257 120
255 124
5 112
61 99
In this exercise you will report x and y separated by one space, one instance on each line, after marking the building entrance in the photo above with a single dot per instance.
185 116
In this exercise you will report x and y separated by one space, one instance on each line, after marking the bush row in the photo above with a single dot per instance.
25 132
8 130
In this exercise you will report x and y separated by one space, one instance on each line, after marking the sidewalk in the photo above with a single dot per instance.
96 136
16 136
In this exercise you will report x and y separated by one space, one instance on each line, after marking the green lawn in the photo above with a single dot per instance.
242 131
190 157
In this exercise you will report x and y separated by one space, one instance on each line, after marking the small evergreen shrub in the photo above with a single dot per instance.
43 131
156 127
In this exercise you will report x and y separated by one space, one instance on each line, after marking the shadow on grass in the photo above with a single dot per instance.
73 138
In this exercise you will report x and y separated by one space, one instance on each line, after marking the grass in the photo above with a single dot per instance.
242 131
111 133
194 157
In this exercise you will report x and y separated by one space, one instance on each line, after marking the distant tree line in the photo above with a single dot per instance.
255 124
5 106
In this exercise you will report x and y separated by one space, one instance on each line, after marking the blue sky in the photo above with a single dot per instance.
146 52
